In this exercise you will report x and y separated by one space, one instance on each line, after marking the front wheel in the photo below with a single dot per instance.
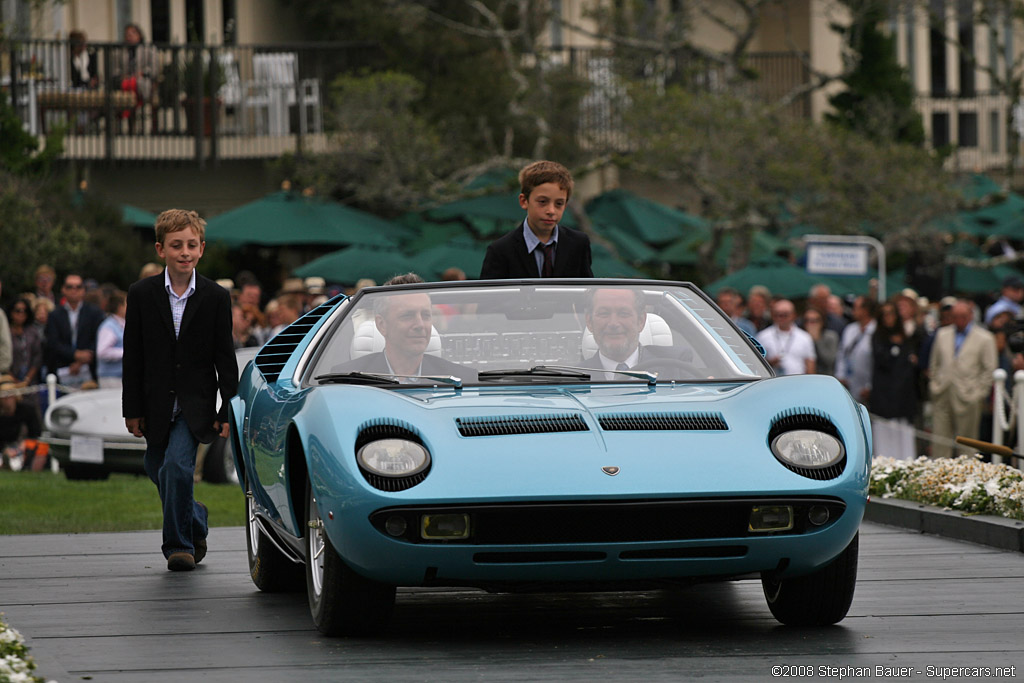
271 570
342 602
818 599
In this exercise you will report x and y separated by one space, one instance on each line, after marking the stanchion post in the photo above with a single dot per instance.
998 406
1018 392
51 389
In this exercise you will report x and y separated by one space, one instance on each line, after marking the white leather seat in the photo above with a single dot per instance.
656 332
368 339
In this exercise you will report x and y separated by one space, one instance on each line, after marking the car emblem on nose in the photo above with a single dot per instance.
610 470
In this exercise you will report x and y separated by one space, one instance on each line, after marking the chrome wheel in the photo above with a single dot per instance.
317 546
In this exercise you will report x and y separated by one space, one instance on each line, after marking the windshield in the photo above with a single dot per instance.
528 333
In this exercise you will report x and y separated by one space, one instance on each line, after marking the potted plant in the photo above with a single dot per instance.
201 75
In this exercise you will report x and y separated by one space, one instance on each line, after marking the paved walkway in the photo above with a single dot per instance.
103 607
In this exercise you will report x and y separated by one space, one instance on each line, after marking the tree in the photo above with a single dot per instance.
755 169
878 101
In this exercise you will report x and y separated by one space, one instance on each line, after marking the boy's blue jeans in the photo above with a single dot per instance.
172 470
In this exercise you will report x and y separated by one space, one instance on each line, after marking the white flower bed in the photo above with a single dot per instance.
964 483
16 666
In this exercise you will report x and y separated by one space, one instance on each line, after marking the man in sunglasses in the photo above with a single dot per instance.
71 329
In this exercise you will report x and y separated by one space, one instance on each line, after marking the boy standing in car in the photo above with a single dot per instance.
178 353
540 246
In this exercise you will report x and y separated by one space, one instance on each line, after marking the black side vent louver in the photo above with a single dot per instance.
689 422
808 418
275 353
528 424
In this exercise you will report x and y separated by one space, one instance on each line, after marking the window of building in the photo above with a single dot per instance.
967 129
160 16
965 52
229 12
195 21
937 49
940 130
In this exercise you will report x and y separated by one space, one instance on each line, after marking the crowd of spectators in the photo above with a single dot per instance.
918 366
923 369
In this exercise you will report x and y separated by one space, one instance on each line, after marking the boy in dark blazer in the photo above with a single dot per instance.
178 352
540 247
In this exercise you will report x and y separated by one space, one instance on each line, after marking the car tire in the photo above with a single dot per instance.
271 570
341 601
219 464
76 471
819 599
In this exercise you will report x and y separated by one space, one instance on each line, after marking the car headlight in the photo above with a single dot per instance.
393 457
63 417
808 448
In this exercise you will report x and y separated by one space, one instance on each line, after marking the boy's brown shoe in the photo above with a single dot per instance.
200 550
181 562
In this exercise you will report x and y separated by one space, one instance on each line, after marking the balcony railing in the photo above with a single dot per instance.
174 102
198 103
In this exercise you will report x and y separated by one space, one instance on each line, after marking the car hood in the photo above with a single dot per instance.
713 436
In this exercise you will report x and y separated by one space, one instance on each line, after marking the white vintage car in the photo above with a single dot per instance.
87 436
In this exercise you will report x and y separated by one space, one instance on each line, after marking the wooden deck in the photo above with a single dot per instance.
104 606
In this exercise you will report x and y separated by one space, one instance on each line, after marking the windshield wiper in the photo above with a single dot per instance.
383 378
540 371
647 375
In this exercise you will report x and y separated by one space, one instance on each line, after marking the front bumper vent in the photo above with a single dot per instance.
663 421
526 424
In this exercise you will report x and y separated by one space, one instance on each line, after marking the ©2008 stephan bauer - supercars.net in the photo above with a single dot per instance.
517 434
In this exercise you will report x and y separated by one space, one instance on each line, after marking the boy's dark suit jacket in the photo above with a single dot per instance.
647 354
158 367
507 257
59 351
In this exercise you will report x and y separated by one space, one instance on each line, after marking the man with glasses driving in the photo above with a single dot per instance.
71 329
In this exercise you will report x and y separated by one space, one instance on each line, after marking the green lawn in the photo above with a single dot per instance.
45 503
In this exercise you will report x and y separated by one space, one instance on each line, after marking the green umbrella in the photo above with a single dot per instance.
140 218
346 266
604 264
458 253
650 221
628 247
685 252
285 218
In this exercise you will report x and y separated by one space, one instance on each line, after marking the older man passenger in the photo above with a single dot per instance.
405 320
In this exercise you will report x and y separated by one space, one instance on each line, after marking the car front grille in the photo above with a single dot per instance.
620 522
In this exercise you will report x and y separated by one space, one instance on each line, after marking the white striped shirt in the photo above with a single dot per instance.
178 302
178 310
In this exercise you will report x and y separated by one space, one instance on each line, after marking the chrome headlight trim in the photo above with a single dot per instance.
393 457
63 416
808 448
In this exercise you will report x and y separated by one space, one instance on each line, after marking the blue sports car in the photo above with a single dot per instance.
524 434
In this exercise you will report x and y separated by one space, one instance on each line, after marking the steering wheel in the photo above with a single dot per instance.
688 368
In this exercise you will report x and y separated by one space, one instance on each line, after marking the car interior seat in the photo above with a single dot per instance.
368 339
655 332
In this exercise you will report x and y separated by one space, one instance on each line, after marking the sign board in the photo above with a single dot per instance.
86 449
837 259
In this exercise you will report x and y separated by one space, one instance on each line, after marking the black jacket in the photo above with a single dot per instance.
59 352
507 258
158 367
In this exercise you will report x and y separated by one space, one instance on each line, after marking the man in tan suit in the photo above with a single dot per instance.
962 360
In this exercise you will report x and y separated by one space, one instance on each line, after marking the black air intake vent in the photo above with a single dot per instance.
689 422
275 353
524 424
